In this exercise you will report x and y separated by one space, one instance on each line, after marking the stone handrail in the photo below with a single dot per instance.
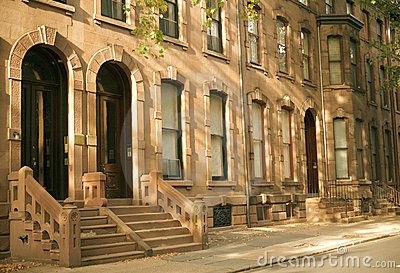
386 192
193 215
395 195
55 228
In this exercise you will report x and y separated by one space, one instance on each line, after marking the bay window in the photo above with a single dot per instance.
341 157
335 59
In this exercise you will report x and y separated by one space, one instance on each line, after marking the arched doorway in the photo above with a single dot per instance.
45 119
311 152
114 137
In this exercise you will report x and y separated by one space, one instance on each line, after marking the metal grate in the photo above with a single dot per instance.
222 216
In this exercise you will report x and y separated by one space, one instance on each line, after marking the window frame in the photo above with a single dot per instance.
388 153
370 81
289 144
367 24
379 31
223 137
359 141
282 48
168 20
329 7
218 21
256 35
261 141
306 55
338 149
340 61
350 7
374 149
111 15
385 99
179 131
354 63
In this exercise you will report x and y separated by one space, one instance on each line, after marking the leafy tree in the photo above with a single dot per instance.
149 12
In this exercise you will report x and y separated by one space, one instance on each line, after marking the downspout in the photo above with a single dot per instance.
323 108
243 103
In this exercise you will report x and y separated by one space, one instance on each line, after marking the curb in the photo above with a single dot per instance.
318 252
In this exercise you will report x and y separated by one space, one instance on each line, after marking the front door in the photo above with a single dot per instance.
311 152
114 152
45 121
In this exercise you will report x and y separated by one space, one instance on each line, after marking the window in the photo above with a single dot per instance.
341 161
354 60
370 81
379 31
396 98
374 154
349 7
253 32
171 131
329 6
335 60
114 9
358 130
305 50
169 20
287 151
304 2
61 1
385 93
258 140
282 45
388 156
218 137
214 31
367 28
392 36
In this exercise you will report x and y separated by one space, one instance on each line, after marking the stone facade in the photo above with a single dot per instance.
85 40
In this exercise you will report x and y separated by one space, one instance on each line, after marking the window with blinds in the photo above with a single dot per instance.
218 137
341 160
370 81
258 140
335 60
252 30
305 50
354 62
287 147
169 20
374 154
214 31
281 29
358 129
171 131
388 156
114 9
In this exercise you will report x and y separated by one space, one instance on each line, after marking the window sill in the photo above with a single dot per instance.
386 108
176 42
363 181
98 19
258 67
218 55
285 76
398 112
65 7
308 83
290 183
262 183
373 104
180 183
221 183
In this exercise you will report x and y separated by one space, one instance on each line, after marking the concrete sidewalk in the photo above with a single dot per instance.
239 249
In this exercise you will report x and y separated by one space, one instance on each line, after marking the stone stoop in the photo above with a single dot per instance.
157 228
100 241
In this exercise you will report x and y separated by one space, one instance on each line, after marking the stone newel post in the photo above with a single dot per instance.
70 247
199 218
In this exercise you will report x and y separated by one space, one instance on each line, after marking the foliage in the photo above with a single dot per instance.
148 13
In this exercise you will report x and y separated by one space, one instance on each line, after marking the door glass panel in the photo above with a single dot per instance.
111 131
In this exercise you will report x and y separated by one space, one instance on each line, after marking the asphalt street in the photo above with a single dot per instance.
377 256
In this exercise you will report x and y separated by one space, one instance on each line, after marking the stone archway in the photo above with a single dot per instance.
117 54
48 36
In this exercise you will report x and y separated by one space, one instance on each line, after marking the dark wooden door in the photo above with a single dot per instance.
110 124
311 152
44 130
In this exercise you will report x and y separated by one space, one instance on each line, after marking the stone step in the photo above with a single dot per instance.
354 219
4 254
157 232
105 249
119 202
177 248
89 212
169 240
397 210
94 220
145 217
119 210
103 239
348 214
100 229
100 259
154 224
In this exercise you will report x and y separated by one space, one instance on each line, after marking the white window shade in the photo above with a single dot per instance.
340 133
334 49
342 169
285 126
341 158
258 149
216 114
170 144
169 98
257 121
217 156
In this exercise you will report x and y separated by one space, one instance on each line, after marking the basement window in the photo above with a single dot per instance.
222 216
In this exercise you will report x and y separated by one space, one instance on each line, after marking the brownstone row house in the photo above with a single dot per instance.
216 133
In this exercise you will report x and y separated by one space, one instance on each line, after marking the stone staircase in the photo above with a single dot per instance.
157 228
100 241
